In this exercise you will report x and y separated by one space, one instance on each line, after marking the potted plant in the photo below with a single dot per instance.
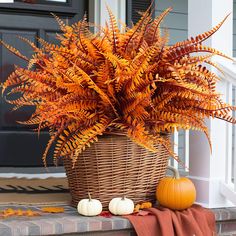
121 92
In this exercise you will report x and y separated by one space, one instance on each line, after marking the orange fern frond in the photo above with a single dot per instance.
114 28
13 50
151 33
60 22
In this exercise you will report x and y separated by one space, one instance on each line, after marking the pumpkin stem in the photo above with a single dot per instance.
89 195
175 171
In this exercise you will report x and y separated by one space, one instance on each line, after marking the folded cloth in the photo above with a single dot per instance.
194 221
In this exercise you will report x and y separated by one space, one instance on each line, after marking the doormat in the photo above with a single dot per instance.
34 191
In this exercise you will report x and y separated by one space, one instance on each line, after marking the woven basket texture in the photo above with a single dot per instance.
115 166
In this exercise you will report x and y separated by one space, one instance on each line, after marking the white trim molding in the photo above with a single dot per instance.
32 176
228 67
227 190
208 169
32 172
6 1
98 13
211 194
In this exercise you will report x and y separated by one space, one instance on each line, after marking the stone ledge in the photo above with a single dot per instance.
129 232
59 224
225 214
226 228
226 221
70 223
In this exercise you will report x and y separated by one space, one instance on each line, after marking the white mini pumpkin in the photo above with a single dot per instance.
121 206
89 207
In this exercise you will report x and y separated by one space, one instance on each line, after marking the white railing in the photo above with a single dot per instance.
181 148
228 161
228 186
233 157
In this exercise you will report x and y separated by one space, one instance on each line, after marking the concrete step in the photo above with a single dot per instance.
226 221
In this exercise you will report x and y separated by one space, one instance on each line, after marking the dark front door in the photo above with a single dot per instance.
19 145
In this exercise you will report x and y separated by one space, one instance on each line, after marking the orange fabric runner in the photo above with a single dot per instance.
195 221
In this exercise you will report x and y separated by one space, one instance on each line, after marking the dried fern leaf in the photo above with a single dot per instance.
13 50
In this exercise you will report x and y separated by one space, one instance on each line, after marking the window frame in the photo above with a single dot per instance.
72 6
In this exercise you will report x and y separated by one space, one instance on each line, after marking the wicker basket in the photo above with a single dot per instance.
115 166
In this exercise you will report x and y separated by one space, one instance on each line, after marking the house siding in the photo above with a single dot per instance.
134 7
176 21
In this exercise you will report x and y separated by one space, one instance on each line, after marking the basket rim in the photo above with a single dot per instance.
119 133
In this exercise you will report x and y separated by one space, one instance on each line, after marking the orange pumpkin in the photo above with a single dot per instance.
176 193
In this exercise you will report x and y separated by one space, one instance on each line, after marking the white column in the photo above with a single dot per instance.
98 12
208 169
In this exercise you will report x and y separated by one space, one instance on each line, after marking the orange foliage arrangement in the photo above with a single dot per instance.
125 81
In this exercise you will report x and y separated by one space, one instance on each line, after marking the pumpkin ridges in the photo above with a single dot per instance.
190 194
89 207
176 194
121 206
163 188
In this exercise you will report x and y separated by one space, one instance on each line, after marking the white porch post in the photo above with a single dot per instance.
208 169
98 12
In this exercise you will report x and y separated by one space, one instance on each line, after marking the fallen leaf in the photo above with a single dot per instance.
53 209
106 214
146 205
19 212
137 208
32 213
143 205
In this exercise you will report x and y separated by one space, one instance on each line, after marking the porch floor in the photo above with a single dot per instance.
70 223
